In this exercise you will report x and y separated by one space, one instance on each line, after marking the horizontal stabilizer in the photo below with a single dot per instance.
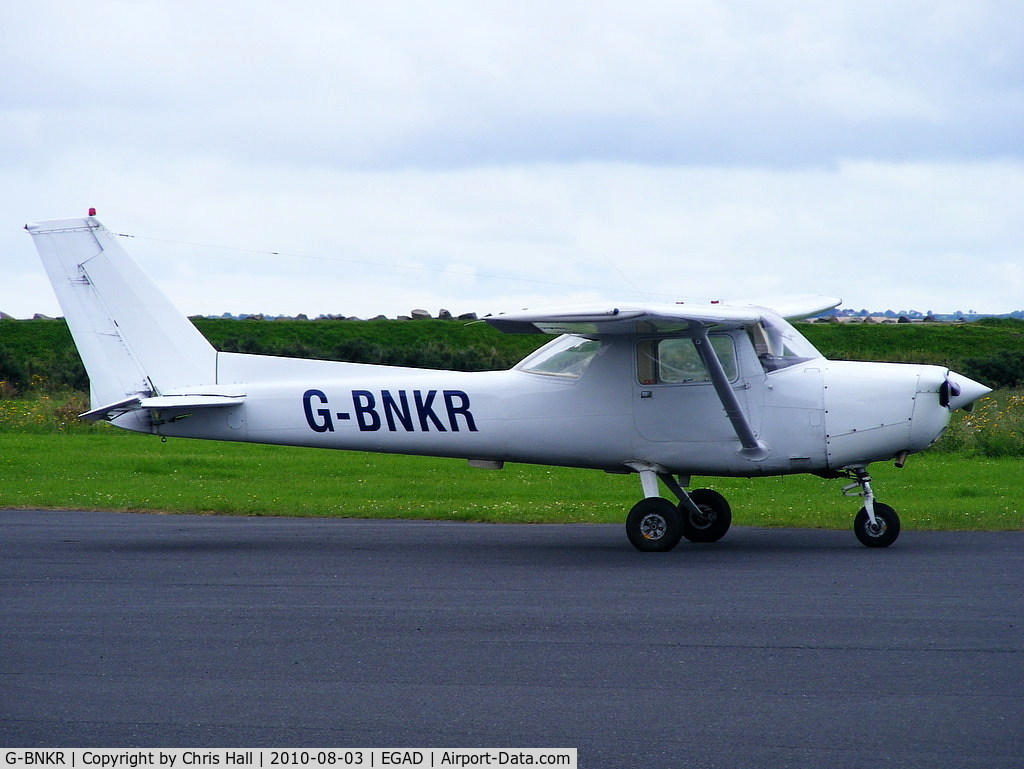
111 410
163 403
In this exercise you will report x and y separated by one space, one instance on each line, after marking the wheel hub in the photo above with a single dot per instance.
653 526
877 528
704 519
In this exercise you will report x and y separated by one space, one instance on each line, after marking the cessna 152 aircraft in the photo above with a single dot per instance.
664 391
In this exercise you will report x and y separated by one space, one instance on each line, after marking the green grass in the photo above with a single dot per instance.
108 469
994 428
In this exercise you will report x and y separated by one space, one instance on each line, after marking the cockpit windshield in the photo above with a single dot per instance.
567 357
778 345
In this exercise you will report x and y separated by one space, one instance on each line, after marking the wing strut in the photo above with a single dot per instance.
753 449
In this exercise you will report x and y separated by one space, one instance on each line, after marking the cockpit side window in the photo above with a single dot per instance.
778 345
674 360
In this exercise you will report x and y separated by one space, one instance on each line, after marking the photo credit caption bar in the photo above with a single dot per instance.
268 758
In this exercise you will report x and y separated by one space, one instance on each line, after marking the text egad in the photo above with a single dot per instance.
267 758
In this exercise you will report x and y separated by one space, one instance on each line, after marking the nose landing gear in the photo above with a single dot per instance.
876 525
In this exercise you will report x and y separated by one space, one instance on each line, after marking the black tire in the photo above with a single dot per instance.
885 531
715 518
653 525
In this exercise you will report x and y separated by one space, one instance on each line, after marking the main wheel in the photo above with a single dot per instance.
714 520
653 525
884 531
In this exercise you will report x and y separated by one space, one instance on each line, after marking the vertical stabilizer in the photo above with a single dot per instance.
131 338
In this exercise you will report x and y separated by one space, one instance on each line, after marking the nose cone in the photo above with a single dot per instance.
959 392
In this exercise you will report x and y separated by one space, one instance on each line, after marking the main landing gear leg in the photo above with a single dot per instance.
876 525
656 525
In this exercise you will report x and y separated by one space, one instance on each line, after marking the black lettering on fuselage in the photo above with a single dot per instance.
463 409
319 421
425 410
394 411
366 416
399 411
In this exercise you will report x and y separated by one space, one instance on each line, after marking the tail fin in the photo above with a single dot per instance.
133 341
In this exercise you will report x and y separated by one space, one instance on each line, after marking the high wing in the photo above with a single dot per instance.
795 306
656 318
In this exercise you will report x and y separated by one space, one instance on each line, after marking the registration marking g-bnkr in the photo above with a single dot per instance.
407 410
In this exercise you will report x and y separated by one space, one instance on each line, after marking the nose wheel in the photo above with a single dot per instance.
881 532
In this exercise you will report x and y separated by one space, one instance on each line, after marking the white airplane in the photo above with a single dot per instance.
664 391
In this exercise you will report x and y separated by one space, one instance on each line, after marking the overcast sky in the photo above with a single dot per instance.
365 158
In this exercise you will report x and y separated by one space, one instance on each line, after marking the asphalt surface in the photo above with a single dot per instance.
770 648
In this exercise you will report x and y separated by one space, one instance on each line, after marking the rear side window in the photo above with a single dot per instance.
674 360
566 357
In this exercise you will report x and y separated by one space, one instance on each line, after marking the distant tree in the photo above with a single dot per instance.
68 371
12 372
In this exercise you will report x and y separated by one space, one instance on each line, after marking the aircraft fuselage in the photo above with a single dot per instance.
813 416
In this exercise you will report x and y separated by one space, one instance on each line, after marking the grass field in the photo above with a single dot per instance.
113 470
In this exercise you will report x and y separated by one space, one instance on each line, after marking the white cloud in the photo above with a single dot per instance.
879 235
712 149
